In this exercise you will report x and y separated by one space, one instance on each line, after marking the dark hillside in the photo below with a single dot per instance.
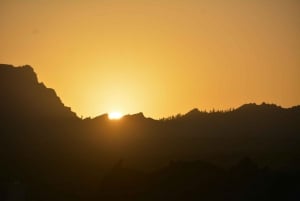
48 153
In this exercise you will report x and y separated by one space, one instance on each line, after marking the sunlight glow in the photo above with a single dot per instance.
115 115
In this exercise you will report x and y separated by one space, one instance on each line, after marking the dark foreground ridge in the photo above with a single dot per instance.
48 153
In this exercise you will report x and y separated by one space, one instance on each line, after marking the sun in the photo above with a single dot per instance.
115 115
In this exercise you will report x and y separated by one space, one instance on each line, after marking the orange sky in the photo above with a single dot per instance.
160 57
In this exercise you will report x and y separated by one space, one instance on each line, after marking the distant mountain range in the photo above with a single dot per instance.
27 103
44 142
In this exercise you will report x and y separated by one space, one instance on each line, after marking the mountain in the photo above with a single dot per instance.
48 153
35 126
29 108
22 96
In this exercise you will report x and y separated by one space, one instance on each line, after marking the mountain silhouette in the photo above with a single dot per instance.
48 153
24 97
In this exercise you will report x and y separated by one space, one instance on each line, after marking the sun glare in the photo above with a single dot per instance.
115 115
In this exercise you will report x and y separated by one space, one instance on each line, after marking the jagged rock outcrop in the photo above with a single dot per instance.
22 96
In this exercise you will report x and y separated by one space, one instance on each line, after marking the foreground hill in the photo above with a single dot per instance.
48 153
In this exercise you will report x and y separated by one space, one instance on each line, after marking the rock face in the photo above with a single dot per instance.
22 96
34 123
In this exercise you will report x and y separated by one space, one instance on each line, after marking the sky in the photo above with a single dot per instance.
159 57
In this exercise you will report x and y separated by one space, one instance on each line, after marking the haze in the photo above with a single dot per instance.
157 56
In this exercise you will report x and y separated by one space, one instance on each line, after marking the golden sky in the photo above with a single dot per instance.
161 57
